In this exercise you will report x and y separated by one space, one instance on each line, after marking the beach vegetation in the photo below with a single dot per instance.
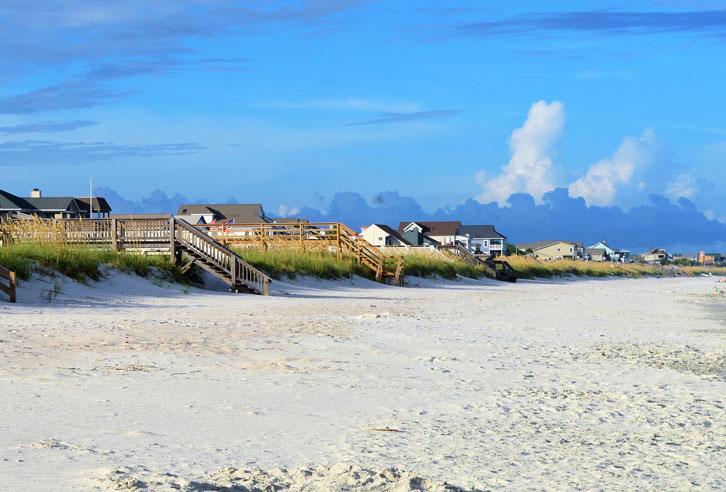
82 263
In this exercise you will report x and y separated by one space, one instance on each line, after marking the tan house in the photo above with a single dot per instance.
596 254
552 250
655 255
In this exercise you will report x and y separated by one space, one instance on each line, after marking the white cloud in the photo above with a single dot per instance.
284 211
349 104
600 184
530 168
685 185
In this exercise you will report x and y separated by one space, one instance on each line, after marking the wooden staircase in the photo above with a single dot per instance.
388 269
200 249
496 269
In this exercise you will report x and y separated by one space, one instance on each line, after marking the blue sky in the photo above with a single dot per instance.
290 102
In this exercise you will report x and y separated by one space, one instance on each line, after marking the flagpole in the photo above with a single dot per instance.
90 196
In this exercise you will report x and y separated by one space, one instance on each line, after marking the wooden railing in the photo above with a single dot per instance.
161 233
332 233
496 269
120 233
225 259
11 288
467 256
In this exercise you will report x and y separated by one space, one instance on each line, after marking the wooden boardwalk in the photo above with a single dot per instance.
208 246
335 235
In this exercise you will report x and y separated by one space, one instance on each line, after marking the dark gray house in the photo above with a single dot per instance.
51 207
482 239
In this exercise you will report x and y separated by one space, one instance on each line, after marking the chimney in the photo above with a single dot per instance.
651 249
36 193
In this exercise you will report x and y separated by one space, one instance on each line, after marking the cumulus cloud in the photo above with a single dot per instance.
685 185
678 226
530 168
600 184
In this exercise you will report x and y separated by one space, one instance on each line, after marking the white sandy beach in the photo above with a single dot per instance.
551 385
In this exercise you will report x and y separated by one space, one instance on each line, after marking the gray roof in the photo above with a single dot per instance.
99 203
8 201
434 228
238 212
290 220
596 251
393 233
53 203
479 231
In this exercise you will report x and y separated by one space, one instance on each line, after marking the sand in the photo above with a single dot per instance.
129 383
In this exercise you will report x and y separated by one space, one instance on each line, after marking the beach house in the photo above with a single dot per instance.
52 207
552 250
482 240
231 213
655 255
610 253
443 232
382 235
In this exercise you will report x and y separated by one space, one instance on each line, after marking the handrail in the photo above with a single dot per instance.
335 232
11 288
222 256
469 257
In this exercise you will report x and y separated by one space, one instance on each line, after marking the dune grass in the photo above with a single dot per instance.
80 262
322 263
430 266
314 262
530 268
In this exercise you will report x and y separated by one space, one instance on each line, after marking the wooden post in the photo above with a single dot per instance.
172 241
340 246
114 235
13 287
10 290
233 272
399 272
